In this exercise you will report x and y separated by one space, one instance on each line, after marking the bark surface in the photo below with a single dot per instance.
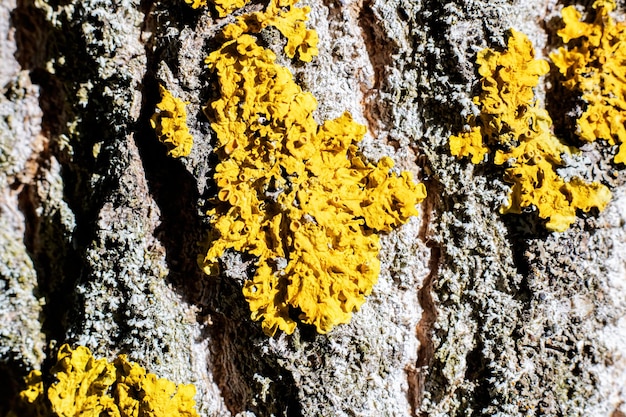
474 313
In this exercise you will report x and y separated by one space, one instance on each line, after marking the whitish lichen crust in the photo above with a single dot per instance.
170 124
595 67
297 195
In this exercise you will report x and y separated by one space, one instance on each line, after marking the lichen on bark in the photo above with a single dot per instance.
473 313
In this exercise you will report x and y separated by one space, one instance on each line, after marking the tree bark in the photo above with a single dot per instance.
474 313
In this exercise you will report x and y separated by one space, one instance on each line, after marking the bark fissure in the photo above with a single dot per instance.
425 353
380 49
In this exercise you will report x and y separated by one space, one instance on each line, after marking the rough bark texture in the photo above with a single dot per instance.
474 313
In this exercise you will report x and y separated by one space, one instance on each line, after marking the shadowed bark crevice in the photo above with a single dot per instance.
50 240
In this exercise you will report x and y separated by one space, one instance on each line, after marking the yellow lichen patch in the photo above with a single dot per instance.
139 393
170 124
85 386
291 25
297 195
520 132
469 144
507 99
223 7
290 22
595 67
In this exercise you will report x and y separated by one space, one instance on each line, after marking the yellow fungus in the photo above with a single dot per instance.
85 386
292 190
170 124
594 67
469 144
511 122
31 401
139 393
196 4
82 384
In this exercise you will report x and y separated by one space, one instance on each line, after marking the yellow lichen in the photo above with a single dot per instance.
469 144
223 7
170 124
512 123
298 196
88 387
31 401
595 67
290 22
83 384
139 393
281 14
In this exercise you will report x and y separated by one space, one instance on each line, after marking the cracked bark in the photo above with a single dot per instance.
474 313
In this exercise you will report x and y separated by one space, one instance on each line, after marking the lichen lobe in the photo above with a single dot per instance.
516 133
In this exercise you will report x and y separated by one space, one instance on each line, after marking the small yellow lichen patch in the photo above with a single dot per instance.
297 195
196 4
596 67
223 7
507 96
170 124
31 401
290 23
89 387
511 122
469 144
